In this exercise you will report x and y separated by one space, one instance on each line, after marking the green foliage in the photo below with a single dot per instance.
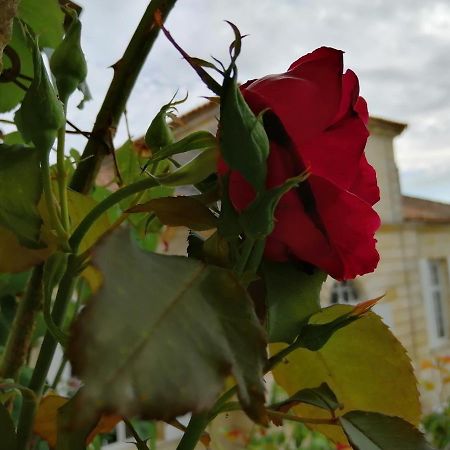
292 296
20 192
10 93
437 427
45 18
374 431
131 346
349 363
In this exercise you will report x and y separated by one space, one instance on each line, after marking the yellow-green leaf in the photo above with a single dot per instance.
45 424
79 206
363 363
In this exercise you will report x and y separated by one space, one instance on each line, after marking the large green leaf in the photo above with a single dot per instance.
45 18
373 431
163 333
292 296
8 438
20 191
364 365
10 94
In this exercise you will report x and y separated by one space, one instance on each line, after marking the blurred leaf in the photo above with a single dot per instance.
192 172
8 438
13 284
199 140
374 431
364 365
165 321
179 211
243 141
45 18
10 94
292 296
20 191
14 138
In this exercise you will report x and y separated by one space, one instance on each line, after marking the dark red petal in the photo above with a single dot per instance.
307 97
295 234
240 191
318 53
361 110
351 224
365 184
350 92
335 154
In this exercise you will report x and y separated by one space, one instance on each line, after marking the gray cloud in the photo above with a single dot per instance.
399 49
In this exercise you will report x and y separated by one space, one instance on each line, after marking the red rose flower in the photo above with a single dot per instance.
315 120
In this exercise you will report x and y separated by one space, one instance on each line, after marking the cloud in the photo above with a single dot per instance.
398 49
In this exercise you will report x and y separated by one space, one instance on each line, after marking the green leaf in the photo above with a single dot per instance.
162 335
199 140
20 191
373 431
292 296
243 141
192 172
45 18
8 438
322 397
364 365
10 94
179 211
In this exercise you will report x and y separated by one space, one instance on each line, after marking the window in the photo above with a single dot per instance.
344 292
435 290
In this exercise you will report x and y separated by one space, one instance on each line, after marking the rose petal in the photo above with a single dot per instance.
307 97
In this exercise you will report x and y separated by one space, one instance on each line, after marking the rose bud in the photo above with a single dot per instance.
316 121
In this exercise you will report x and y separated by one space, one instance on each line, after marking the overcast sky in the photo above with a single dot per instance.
400 50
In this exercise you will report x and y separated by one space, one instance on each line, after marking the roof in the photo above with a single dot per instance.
375 123
421 210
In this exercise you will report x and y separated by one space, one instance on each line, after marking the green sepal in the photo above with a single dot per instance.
41 113
322 397
258 220
243 141
68 63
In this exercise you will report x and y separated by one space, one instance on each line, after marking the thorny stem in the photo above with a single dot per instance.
21 332
126 71
38 379
194 431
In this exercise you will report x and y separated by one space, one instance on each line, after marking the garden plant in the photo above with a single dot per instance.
281 197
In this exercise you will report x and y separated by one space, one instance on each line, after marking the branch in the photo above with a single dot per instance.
126 71
19 338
